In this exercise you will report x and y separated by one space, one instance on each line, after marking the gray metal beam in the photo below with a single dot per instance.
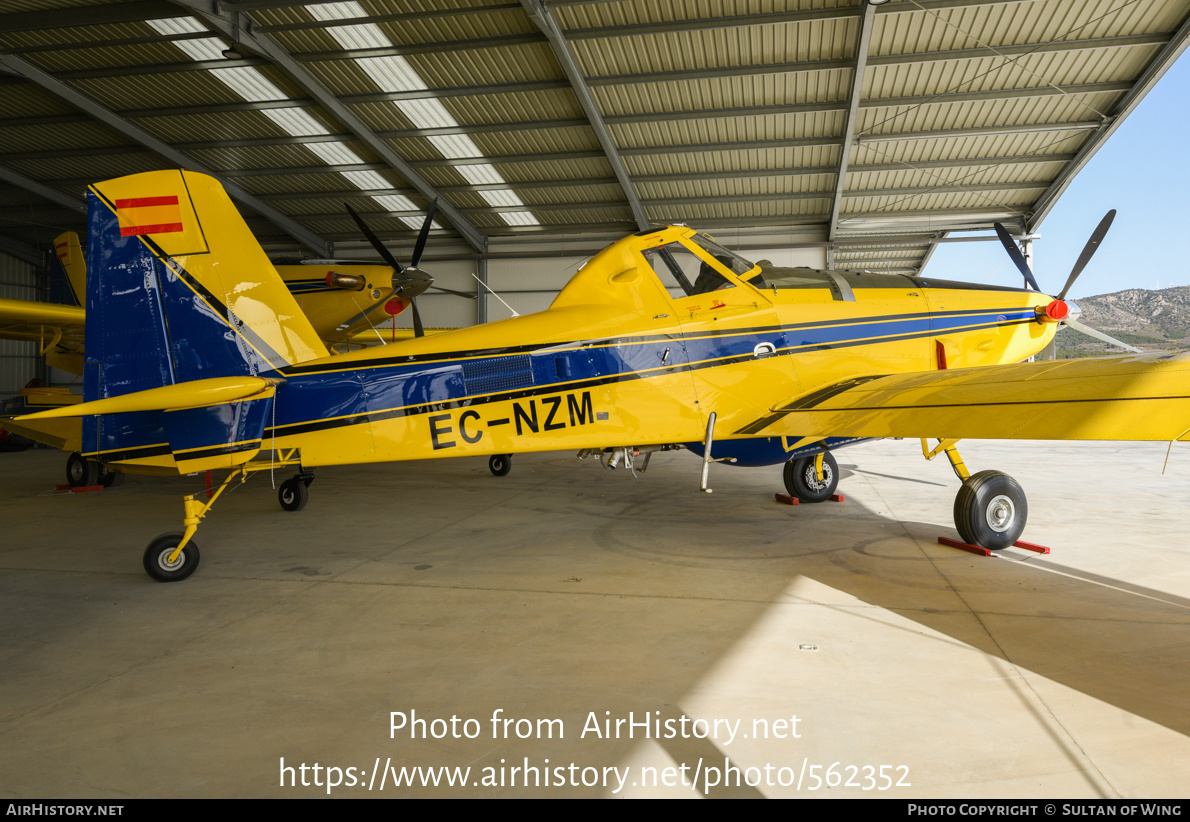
543 18
1048 47
921 266
338 194
40 189
857 85
88 16
433 47
264 44
620 79
1144 84
611 119
136 133
398 17
988 131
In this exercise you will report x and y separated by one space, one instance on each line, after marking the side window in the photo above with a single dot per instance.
682 272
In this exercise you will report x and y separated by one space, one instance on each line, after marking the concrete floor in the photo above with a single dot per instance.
565 591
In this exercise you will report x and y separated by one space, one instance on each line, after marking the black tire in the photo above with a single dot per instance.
156 564
990 510
110 478
801 480
80 472
293 494
500 464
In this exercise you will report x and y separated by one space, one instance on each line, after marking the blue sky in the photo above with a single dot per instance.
1143 171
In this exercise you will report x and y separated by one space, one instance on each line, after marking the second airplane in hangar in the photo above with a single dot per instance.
197 358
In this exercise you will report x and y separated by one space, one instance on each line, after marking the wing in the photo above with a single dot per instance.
58 329
1111 398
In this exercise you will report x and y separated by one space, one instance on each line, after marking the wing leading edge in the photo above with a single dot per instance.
1111 398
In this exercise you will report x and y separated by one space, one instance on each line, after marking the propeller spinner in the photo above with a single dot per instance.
1059 310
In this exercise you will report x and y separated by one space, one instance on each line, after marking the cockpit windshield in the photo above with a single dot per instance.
730 259
682 272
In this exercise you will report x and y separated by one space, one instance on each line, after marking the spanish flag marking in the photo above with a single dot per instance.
63 250
149 215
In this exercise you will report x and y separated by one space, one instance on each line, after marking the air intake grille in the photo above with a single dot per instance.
498 374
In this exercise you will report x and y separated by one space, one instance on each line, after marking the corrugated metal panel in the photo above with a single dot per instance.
1010 23
87 169
18 100
708 94
781 127
822 184
741 159
976 174
782 43
711 211
78 136
19 362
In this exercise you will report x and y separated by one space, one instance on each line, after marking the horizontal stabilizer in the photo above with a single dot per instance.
195 394
41 314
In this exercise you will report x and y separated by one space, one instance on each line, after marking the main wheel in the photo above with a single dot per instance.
500 464
990 510
110 478
293 494
81 472
801 480
157 563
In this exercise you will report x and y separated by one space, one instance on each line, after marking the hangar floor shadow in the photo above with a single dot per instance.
567 592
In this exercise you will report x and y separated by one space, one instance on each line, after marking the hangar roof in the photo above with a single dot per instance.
879 129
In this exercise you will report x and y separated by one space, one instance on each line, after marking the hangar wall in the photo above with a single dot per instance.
19 361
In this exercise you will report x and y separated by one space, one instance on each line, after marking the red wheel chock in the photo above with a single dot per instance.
975 549
788 500
80 489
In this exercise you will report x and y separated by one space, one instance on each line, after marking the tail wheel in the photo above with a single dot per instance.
801 479
293 494
158 565
81 472
990 510
500 464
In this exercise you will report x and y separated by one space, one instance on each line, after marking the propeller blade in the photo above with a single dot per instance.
418 329
424 234
1099 335
384 253
466 294
1016 255
1088 251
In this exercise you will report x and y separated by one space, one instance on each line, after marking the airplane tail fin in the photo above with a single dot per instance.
69 254
179 290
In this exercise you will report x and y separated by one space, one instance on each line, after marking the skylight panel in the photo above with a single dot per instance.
394 73
254 87
337 154
295 122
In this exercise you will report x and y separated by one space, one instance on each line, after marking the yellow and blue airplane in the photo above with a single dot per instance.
197 358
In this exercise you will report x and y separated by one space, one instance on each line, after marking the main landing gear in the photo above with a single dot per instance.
84 473
990 509
812 479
